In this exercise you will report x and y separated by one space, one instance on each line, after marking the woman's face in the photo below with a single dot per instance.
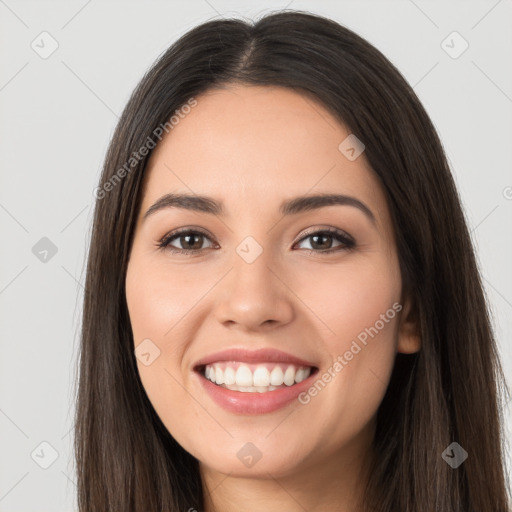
260 276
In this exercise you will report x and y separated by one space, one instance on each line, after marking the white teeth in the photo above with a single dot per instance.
243 376
255 378
277 376
229 376
302 374
289 376
261 376
250 389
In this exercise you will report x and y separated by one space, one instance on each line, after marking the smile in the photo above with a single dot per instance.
260 378
247 398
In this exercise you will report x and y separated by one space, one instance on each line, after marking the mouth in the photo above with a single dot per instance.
254 381
261 377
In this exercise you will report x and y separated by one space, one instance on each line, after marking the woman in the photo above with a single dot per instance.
283 308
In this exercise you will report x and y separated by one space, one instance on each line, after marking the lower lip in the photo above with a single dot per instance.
254 403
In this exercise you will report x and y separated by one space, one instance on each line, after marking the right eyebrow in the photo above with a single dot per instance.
210 205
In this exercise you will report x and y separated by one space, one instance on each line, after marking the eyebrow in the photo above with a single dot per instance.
206 204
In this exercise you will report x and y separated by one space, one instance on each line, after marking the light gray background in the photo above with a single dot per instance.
57 116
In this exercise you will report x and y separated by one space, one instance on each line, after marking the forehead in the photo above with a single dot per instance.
257 144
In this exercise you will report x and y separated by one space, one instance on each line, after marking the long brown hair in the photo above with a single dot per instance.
447 392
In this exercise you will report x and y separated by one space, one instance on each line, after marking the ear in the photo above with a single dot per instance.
409 339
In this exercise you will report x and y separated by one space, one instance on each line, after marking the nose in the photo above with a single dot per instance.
254 296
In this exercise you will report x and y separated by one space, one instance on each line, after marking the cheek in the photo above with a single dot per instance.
156 301
348 298
156 307
359 311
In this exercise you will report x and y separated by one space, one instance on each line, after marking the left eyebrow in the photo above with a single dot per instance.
304 203
206 204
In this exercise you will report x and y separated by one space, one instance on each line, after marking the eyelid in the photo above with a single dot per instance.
325 229
347 241
188 229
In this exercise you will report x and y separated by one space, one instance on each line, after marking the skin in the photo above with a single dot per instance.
253 147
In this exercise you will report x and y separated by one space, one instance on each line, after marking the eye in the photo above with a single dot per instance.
190 240
322 241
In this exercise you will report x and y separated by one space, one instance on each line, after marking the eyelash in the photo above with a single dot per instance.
340 236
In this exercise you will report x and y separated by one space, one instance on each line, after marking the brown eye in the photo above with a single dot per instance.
191 241
322 241
188 241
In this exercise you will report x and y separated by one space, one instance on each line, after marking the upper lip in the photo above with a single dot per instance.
263 355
